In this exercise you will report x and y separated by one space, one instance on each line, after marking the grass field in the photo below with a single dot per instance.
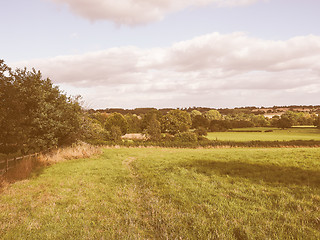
158 193
296 133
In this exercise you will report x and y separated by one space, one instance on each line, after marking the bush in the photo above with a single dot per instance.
186 137
201 131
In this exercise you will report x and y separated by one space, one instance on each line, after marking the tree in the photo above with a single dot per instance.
154 129
147 117
259 121
290 116
284 122
200 121
201 131
176 121
213 115
195 113
117 119
134 123
317 121
219 125
92 130
35 114
115 133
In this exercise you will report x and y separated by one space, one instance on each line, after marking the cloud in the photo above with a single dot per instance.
133 12
200 70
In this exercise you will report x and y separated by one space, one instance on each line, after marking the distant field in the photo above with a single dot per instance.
158 193
296 133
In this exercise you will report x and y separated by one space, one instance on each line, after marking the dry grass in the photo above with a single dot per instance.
80 150
26 166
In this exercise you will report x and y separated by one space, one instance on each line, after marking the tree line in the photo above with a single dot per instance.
156 124
36 115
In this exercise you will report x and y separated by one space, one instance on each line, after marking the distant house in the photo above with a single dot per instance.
270 115
134 136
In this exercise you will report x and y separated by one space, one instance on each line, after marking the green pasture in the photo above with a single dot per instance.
295 133
158 193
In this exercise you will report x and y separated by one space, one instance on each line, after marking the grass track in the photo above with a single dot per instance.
156 193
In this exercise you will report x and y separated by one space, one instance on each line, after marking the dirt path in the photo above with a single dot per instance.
146 216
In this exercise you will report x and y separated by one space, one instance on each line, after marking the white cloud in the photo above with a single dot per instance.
199 71
133 12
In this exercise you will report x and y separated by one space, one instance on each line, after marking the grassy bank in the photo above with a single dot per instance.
158 193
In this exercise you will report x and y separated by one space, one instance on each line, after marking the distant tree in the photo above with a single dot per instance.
118 120
274 121
201 131
99 116
195 113
134 123
219 125
213 115
115 133
259 121
154 129
175 121
147 117
200 121
317 121
284 122
291 117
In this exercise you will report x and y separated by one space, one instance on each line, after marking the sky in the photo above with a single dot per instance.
169 53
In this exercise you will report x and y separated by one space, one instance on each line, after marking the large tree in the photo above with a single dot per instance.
116 120
35 114
176 121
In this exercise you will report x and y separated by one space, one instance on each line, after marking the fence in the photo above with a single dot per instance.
7 164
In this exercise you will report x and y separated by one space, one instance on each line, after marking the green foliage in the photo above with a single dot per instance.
117 119
220 125
148 116
175 121
115 133
92 130
285 121
134 123
154 129
201 131
213 115
260 121
200 121
186 137
317 122
100 117
195 113
35 114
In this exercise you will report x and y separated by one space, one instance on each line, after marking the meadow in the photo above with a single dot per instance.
248 134
162 193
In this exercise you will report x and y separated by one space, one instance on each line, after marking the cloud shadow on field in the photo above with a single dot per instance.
269 173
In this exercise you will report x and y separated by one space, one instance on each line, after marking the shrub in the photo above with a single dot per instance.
186 137
201 131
